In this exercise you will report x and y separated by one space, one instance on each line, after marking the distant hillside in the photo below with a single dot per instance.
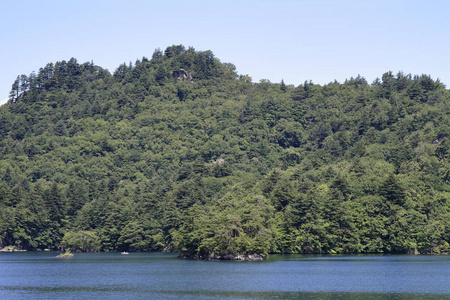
181 153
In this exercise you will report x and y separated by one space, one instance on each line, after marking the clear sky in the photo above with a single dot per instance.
318 40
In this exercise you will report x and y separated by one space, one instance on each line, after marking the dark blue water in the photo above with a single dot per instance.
40 275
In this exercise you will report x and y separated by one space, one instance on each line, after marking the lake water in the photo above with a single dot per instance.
40 275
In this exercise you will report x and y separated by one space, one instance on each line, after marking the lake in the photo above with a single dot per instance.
40 275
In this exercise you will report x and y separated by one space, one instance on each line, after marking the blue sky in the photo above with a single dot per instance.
318 40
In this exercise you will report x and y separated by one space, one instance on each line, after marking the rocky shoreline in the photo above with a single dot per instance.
11 249
228 256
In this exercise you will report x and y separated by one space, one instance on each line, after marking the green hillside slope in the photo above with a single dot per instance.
181 153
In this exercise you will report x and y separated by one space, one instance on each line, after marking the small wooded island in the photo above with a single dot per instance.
181 153
66 254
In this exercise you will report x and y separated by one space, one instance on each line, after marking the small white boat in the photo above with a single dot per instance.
124 252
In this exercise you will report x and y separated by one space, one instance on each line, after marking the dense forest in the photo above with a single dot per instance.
181 153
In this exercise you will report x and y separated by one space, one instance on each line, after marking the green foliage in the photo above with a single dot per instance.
238 223
179 152
80 241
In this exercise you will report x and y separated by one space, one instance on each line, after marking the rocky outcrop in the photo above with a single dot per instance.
219 161
214 256
183 75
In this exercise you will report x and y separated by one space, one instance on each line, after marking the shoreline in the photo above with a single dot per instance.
214 256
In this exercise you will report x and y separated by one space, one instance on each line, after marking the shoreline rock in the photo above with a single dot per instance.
11 249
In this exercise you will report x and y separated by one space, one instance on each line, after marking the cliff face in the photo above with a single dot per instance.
183 75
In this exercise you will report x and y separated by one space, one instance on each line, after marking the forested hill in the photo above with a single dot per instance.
181 153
